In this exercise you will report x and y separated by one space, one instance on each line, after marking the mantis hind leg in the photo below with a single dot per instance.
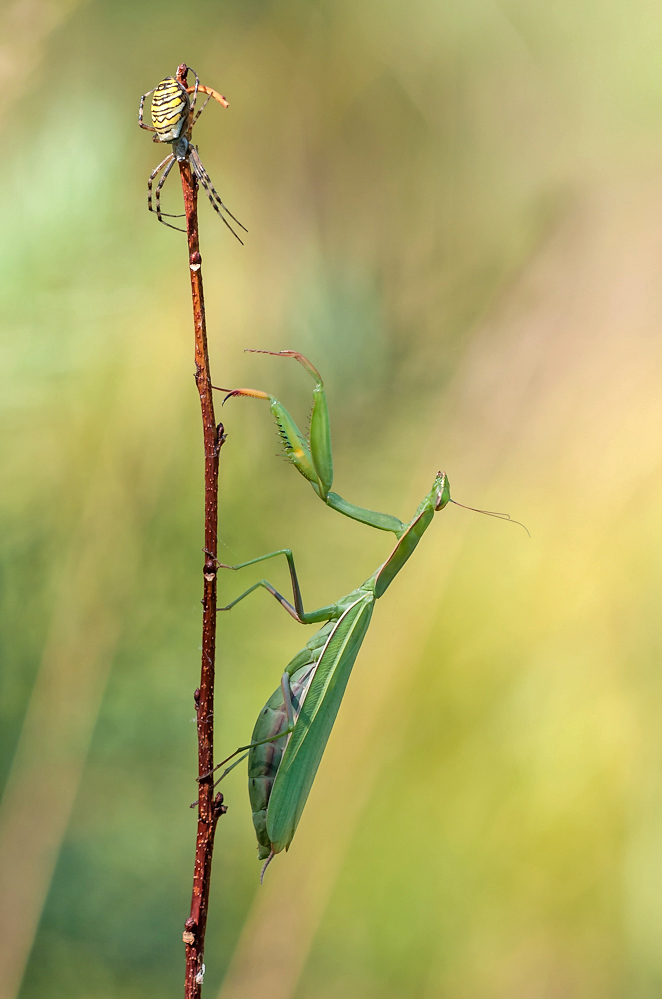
245 750
286 691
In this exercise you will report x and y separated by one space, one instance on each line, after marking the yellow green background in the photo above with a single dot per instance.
455 209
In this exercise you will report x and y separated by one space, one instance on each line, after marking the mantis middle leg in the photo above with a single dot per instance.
297 611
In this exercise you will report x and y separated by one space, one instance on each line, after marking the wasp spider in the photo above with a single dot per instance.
173 119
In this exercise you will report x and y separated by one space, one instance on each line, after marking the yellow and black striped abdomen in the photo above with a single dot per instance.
170 106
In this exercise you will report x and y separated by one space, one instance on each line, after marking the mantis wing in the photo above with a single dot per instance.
313 727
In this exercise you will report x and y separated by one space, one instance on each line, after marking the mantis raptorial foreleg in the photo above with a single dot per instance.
312 456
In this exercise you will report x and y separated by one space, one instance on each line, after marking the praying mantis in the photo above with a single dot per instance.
293 728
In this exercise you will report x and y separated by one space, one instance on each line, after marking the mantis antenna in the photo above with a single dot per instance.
493 513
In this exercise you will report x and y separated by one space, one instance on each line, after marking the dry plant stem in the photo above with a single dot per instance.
209 808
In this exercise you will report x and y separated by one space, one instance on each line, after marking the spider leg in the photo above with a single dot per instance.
215 192
212 194
201 177
195 92
168 163
201 110
160 184
150 180
148 128
175 227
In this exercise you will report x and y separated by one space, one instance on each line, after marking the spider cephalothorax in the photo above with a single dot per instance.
173 119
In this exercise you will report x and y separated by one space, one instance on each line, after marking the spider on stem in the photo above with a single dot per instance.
173 119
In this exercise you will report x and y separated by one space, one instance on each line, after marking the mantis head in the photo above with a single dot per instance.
441 490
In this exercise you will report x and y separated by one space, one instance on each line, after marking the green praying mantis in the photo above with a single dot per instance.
294 726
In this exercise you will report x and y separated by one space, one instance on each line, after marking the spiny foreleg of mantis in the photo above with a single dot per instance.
312 456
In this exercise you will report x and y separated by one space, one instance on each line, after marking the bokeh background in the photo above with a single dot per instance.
455 208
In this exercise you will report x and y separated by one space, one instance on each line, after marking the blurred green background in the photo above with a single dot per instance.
455 208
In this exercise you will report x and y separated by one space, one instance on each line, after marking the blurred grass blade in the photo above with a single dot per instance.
94 587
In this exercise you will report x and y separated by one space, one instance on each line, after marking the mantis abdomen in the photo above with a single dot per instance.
264 760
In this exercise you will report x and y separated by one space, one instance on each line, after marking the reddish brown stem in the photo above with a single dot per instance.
210 808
